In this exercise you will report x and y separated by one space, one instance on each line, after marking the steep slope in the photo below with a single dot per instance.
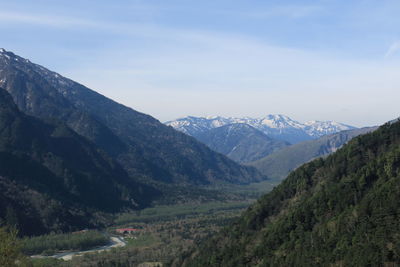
278 165
52 179
241 142
147 149
279 127
338 211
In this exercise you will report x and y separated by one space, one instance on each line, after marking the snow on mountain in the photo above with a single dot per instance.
280 127
280 121
197 125
9 58
320 128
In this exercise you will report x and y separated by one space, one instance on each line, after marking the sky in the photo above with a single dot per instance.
310 60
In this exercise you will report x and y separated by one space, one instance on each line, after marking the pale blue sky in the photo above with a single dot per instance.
324 60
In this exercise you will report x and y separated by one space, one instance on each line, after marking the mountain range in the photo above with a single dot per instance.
275 144
278 127
146 148
85 142
339 211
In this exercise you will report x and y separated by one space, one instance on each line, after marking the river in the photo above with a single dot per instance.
115 242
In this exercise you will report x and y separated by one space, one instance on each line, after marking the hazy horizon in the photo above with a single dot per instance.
309 60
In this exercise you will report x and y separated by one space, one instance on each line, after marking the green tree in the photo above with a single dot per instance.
9 247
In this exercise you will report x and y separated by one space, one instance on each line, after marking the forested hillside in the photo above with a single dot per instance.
340 211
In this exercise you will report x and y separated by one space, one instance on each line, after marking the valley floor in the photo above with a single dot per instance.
165 233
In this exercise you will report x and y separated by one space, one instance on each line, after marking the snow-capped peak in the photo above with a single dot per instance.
280 121
275 125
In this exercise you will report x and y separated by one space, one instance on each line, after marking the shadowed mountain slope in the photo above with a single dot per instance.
52 179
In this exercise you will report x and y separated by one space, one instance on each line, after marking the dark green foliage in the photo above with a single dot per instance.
280 163
343 210
58 242
240 142
166 213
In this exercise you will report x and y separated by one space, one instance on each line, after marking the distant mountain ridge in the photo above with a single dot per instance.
241 142
279 127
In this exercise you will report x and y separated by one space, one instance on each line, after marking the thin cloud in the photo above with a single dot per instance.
136 29
393 49
76 23
45 20
287 11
